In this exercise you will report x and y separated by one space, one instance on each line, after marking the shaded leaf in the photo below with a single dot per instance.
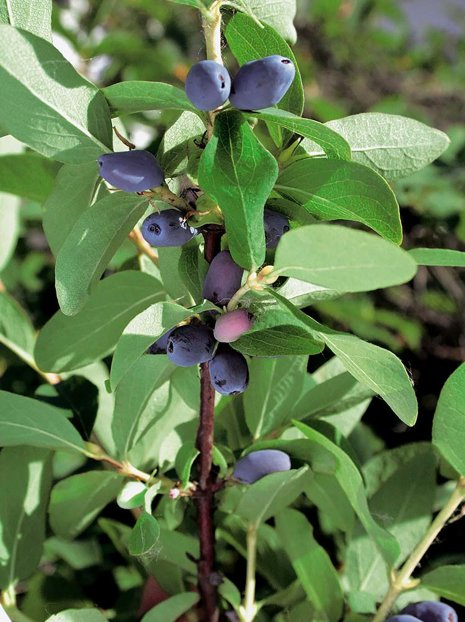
446 581
135 96
27 175
171 608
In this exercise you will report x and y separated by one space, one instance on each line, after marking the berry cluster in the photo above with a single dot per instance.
426 611
257 85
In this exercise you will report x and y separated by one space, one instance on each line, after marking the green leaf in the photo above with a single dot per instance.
184 462
392 145
446 581
333 145
70 196
172 608
136 96
77 500
132 396
239 173
343 259
192 269
274 386
91 244
132 495
275 331
78 615
279 14
46 104
335 190
271 494
448 429
325 491
372 366
35 17
25 479
438 257
144 329
66 343
177 145
326 457
79 555
404 503
16 330
312 565
144 536
9 226
27 175
248 41
24 421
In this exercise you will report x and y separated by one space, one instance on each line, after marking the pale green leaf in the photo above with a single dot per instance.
27 175
25 421
78 615
136 96
448 428
69 342
279 14
25 478
335 190
16 330
438 257
447 581
312 565
36 17
91 244
239 173
343 259
172 608
77 500
46 104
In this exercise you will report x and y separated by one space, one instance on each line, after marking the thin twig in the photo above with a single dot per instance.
402 579
142 246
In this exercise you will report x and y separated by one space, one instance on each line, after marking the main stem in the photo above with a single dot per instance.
403 577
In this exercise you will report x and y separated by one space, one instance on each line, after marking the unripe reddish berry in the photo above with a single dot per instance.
230 326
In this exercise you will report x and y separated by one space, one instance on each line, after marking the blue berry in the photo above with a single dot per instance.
262 83
159 346
190 345
229 373
431 611
276 225
208 85
167 228
132 171
223 279
403 618
257 464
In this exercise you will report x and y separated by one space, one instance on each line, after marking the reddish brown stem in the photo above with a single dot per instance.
208 577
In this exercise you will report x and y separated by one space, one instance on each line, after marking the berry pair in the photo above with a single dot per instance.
258 84
426 611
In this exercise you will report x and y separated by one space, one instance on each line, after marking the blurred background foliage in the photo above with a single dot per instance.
405 57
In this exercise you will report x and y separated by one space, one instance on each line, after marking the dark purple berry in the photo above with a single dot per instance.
159 346
276 225
431 611
167 228
208 85
229 373
190 345
262 83
257 464
132 171
223 279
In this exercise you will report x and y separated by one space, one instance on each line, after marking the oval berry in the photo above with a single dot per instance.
132 171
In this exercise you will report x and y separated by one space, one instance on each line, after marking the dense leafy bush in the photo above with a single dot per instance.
183 446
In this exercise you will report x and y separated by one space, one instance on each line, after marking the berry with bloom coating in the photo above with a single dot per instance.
276 225
230 326
190 345
257 464
223 279
229 373
132 171
431 611
167 228
208 85
262 83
